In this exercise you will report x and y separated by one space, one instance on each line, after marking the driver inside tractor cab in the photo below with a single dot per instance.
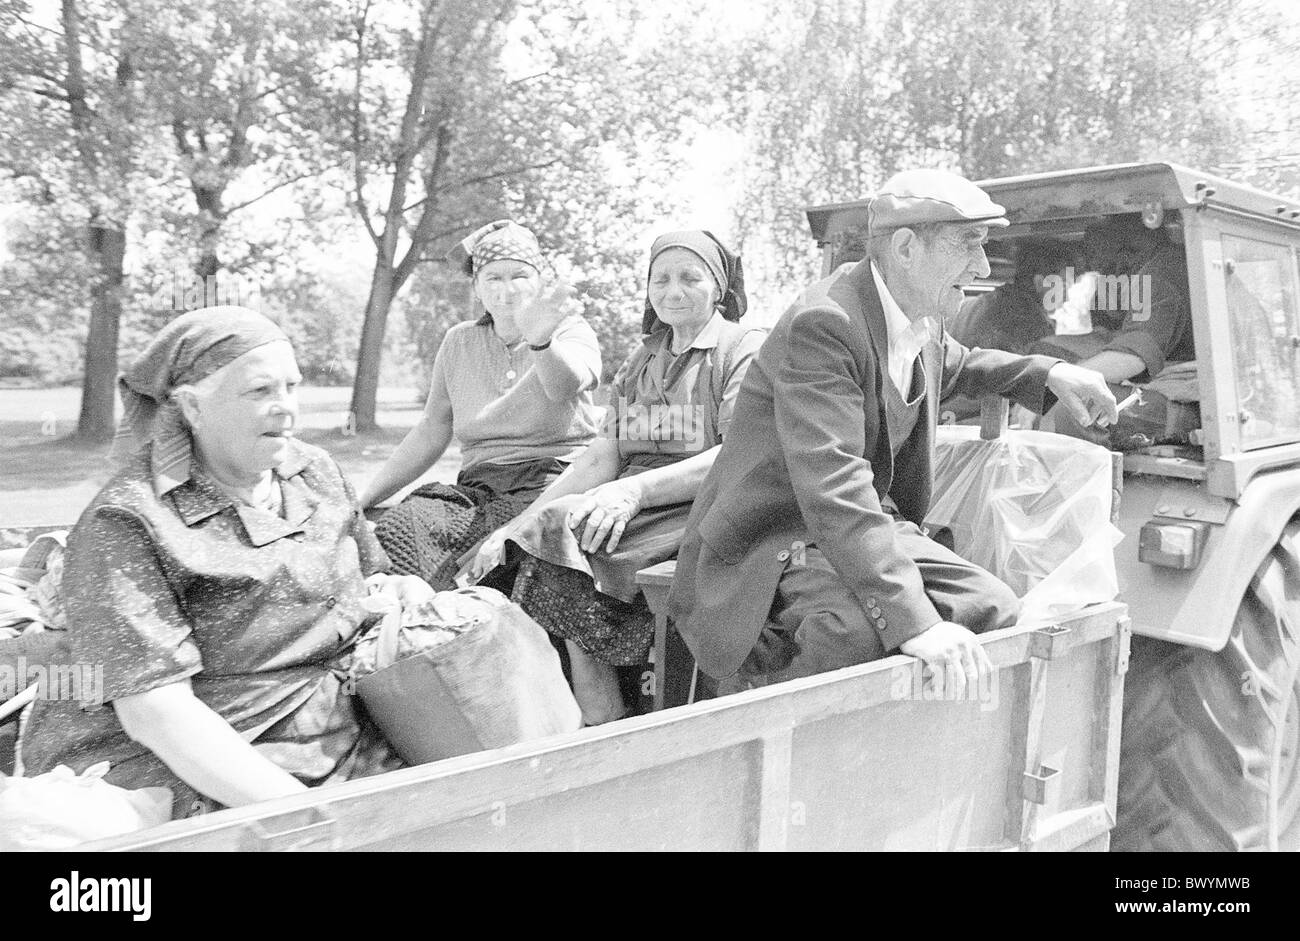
1140 334
1013 316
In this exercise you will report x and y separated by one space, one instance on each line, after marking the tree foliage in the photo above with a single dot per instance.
72 84
850 91
131 122
507 109
235 86
331 151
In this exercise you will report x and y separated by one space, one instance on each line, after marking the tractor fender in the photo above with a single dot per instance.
1198 607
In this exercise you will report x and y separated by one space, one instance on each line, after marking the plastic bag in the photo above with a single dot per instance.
30 595
46 555
17 612
60 809
1033 508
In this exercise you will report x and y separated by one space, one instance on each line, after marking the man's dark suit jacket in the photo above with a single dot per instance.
808 460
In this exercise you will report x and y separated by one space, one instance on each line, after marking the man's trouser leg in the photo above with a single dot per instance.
818 625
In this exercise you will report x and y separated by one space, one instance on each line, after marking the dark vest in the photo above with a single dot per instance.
902 415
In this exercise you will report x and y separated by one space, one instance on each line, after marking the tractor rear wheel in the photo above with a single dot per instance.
1210 755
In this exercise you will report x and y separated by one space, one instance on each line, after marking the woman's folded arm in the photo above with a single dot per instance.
675 483
200 747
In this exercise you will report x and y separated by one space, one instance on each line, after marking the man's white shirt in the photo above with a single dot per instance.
906 337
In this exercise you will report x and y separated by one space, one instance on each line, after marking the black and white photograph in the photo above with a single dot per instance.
692 426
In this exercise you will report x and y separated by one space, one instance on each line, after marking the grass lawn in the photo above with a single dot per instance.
46 478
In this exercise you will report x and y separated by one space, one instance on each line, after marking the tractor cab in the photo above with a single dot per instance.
1239 251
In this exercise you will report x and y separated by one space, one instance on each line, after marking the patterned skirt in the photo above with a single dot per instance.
433 528
592 599
566 603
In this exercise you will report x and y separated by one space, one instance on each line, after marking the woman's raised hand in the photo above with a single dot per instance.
553 305
604 511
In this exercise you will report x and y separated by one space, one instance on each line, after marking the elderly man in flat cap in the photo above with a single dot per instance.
803 551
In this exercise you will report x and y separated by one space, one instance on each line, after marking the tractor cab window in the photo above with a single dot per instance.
1015 309
1107 293
1261 294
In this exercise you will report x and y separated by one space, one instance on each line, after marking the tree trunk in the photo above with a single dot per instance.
105 242
365 389
211 217
107 246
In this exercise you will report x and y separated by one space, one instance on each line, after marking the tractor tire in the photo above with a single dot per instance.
1210 753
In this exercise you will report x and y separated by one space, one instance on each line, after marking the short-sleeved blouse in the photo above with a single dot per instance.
253 608
670 405
500 411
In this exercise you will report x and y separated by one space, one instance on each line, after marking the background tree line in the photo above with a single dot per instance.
331 151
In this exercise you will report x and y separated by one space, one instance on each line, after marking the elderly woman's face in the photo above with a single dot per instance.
244 424
682 291
507 288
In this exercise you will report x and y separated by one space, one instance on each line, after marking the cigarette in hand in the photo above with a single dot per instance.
1134 399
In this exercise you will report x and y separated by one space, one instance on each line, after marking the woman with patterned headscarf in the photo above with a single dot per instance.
514 387
218 579
623 504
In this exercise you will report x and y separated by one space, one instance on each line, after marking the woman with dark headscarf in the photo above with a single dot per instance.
624 502
218 578
515 388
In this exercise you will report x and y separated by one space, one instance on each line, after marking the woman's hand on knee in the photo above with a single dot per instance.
603 514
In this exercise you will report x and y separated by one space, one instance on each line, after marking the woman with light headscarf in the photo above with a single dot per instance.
623 504
218 578
514 387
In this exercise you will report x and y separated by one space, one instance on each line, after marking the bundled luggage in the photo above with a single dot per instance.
465 671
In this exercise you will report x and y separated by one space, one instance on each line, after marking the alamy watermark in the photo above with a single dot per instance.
915 682
1129 293
73 682
79 893
185 290
661 421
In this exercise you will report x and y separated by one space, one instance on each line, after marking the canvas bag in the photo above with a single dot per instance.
497 682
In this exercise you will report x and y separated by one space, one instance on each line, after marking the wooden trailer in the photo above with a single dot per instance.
857 759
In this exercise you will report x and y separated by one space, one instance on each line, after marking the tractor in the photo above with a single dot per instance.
1210 563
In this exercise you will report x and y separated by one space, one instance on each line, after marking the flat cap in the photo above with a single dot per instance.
917 197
